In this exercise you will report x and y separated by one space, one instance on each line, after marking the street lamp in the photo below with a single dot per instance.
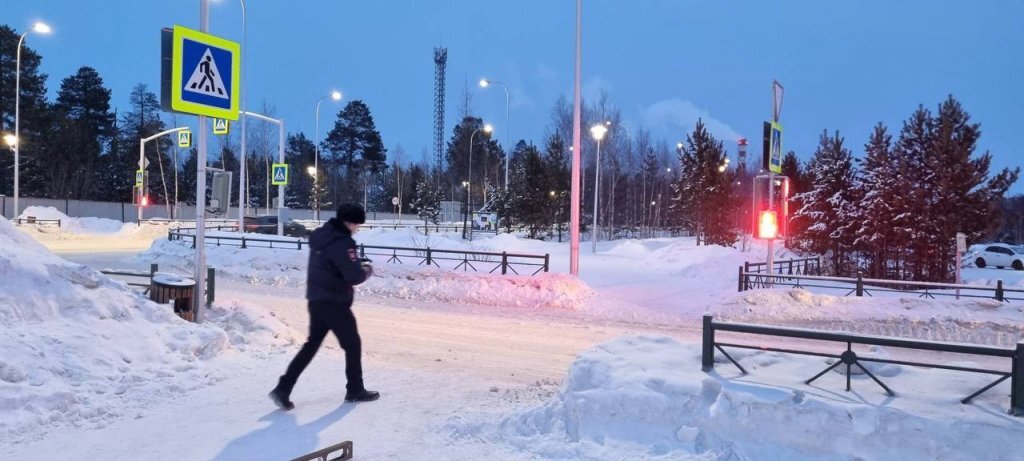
597 131
487 128
10 139
336 96
39 28
484 83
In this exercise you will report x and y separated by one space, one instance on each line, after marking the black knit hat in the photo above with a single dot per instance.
351 213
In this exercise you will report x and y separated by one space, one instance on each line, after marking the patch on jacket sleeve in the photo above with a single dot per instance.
352 254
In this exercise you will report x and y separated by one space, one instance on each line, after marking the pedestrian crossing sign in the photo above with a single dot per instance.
220 126
139 175
204 74
185 138
279 174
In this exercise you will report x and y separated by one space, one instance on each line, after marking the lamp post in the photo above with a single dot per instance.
484 83
598 132
487 128
280 159
39 28
336 96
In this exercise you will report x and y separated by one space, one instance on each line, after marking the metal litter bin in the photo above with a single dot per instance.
170 287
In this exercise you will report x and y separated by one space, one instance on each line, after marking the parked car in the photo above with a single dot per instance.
999 255
267 224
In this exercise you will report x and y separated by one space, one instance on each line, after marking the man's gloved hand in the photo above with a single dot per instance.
367 266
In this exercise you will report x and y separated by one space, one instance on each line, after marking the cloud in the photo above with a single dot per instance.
676 117
593 87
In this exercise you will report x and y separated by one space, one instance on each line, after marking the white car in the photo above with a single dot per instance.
999 255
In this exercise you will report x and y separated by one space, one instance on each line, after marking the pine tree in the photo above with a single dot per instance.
828 204
965 199
457 155
427 202
881 188
35 118
558 180
355 151
83 125
703 197
298 153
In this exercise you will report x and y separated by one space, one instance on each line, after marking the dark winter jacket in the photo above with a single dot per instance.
334 265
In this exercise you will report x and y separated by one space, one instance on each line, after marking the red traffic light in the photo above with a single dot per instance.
768 225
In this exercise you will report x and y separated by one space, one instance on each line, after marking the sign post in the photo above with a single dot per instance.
200 76
961 248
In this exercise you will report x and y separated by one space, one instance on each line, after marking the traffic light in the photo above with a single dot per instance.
145 200
768 225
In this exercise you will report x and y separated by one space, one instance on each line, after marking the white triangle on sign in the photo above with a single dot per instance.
222 125
279 175
206 78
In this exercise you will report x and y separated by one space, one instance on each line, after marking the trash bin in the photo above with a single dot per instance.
170 287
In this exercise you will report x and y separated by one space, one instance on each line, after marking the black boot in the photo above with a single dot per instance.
280 398
362 396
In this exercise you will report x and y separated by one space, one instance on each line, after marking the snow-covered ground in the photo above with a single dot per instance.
481 366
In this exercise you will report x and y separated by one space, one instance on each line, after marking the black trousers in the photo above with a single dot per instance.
324 317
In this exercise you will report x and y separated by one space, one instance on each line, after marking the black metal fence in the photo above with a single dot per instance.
343 451
805 266
861 286
849 358
465 260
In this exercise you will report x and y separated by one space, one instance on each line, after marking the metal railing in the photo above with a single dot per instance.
861 286
211 279
39 222
465 260
805 266
313 224
849 358
322 455
462 259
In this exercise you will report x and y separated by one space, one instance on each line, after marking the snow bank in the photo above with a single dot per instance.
81 349
77 225
645 397
981 321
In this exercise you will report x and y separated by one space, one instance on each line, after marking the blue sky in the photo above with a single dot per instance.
845 65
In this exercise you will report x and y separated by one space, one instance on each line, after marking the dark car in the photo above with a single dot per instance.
267 224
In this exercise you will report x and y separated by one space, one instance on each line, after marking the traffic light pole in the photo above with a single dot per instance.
142 163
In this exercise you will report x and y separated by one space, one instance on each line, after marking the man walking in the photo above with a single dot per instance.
334 267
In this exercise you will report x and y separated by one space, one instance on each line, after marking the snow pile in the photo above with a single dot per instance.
540 291
81 349
77 225
645 397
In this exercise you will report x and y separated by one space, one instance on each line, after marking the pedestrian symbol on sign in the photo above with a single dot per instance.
206 78
279 175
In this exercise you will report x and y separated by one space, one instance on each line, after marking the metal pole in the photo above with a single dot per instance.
17 122
243 193
139 194
597 190
280 159
200 239
316 164
574 213
142 156
469 189
280 188
508 137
